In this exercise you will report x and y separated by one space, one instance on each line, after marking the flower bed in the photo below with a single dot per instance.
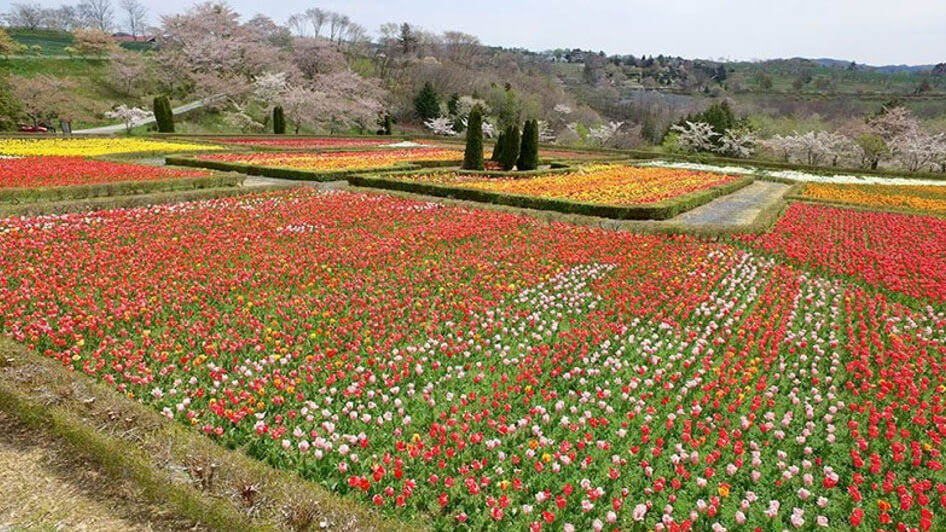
309 143
899 252
610 191
337 161
90 147
40 172
606 185
485 370
919 198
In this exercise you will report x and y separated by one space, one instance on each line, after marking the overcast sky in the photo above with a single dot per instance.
867 31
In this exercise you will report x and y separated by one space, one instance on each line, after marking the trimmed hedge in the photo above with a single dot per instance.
124 188
138 200
277 172
654 211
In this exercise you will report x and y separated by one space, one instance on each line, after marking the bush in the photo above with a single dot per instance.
473 155
163 115
529 152
279 120
510 153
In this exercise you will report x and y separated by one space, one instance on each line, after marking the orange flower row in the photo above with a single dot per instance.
920 198
601 184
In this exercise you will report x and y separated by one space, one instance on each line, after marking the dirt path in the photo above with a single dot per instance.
739 208
44 486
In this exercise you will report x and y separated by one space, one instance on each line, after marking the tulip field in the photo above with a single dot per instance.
91 147
903 253
57 171
479 369
601 184
338 161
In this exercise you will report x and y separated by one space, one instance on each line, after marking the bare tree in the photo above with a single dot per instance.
98 14
317 18
298 24
29 16
336 25
460 47
136 16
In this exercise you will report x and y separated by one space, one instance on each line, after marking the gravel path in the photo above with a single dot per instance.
739 208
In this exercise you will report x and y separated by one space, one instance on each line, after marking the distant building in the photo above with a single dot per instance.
127 37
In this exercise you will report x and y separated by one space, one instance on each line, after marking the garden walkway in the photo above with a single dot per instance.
739 208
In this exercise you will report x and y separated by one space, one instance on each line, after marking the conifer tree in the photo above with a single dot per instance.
529 151
473 155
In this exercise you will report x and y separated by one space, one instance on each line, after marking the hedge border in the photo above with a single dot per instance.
120 188
123 202
300 174
275 171
654 211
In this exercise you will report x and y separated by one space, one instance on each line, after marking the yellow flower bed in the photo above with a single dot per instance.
90 147
601 184
921 198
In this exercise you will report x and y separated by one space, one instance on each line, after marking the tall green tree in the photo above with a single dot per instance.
473 155
427 103
279 120
529 150
510 153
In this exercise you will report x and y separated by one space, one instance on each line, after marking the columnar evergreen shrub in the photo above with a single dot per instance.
498 147
529 151
163 115
510 152
279 120
473 155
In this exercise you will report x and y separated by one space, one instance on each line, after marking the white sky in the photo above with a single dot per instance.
868 31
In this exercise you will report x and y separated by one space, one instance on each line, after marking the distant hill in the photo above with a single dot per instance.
887 69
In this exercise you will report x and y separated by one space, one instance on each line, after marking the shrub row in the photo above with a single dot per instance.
125 188
277 172
654 211
139 200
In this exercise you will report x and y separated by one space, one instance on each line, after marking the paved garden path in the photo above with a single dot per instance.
119 128
739 208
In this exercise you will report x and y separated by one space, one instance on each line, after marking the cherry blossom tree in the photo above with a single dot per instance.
130 116
737 143
695 137
917 150
269 86
442 125
603 134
